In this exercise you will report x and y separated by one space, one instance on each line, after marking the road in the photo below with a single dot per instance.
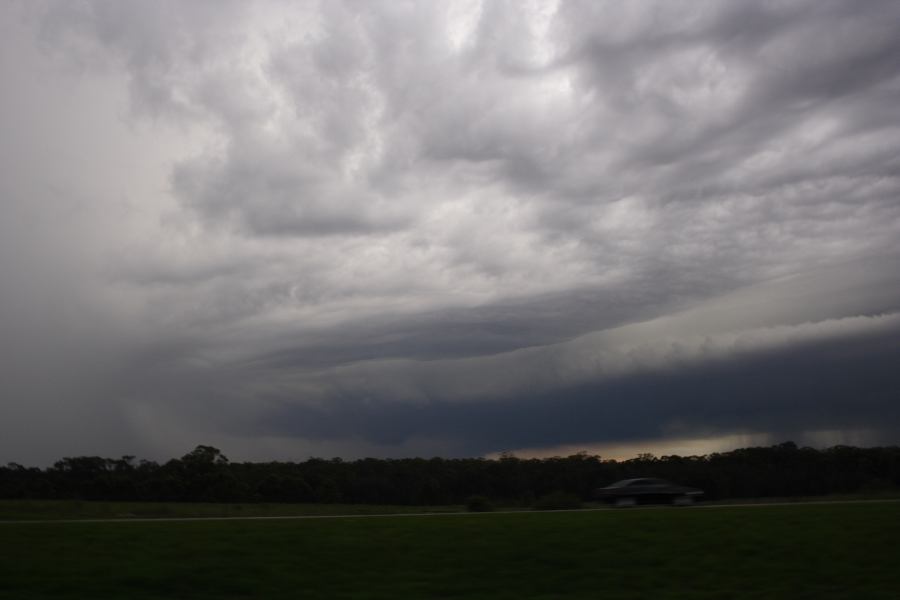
435 514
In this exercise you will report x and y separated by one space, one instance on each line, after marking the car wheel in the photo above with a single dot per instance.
625 502
682 500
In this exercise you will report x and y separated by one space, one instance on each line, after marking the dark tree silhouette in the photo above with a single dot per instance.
206 475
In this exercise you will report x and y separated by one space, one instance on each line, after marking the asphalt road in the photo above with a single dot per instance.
436 514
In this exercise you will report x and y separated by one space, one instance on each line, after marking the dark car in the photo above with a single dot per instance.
647 490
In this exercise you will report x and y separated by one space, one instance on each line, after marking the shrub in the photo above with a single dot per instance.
478 504
558 501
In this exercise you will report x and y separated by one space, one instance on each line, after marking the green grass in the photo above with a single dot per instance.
19 510
844 551
868 495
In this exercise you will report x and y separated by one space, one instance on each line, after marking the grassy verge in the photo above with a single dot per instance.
18 510
838 551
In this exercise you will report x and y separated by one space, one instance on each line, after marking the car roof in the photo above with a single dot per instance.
626 482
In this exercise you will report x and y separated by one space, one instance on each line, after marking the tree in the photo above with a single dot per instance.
205 455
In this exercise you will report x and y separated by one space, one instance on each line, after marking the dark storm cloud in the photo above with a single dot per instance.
404 228
836 385
668 377
790 367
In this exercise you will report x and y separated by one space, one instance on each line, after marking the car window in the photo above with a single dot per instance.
623 483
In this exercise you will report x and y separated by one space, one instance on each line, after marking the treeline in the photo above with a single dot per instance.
206 475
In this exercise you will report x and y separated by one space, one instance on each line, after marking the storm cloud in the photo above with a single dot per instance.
419 228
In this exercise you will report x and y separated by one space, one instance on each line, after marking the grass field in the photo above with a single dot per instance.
799 551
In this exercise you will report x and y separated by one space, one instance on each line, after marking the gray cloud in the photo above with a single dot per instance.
773 359
407 228
784 394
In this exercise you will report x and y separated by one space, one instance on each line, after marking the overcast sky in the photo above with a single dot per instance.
447 228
